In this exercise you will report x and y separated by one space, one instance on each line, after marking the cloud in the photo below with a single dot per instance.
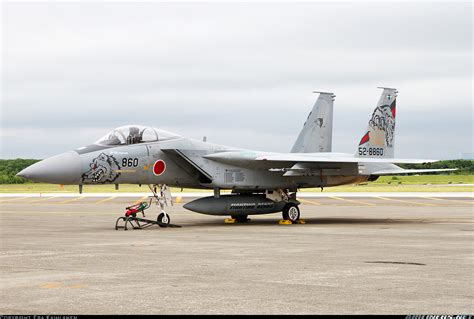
240 73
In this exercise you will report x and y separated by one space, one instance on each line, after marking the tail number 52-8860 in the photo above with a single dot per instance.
372 151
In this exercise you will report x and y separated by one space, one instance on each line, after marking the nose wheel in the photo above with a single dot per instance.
163 220
291 212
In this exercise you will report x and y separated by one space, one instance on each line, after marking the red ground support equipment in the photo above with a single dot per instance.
138 208
131 217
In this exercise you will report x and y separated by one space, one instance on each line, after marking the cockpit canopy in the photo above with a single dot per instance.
134 134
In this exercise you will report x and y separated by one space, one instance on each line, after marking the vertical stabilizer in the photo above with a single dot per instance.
378 139
316 135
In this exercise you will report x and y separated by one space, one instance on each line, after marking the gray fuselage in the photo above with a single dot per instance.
183 162
186 166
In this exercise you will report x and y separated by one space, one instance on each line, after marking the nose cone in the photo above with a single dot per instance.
64 168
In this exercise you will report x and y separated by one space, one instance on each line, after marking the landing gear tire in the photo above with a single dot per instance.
240 218
163 219
291 212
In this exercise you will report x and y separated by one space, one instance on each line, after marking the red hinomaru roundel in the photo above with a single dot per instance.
159 167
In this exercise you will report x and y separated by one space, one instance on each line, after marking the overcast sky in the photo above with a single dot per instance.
241 74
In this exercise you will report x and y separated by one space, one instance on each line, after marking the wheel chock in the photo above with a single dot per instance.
289 222
230 221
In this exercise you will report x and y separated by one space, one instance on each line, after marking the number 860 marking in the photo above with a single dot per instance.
129 162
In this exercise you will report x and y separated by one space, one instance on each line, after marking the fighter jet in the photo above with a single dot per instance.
260 182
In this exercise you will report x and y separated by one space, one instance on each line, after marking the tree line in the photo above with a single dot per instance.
10 167
465 167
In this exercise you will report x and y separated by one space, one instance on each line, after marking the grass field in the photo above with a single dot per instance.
422 183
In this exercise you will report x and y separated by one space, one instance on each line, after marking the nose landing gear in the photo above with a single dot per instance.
163 220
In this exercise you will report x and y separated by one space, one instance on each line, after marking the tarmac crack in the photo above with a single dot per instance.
395 262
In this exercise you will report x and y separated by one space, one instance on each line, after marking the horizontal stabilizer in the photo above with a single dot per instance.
412 171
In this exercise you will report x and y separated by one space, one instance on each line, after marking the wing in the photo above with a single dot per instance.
186 162
313 164
242 157
315 157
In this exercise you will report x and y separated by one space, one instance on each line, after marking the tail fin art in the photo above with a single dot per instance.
379 139
316 135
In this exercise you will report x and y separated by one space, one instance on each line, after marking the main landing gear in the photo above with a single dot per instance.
276 200
291 212
163 219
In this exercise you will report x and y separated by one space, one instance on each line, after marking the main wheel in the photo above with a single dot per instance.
291 212
163 219
240 218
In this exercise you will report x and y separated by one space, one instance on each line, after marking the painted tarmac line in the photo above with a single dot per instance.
450 200
406 201
138 201
66 213
72 200
105 200
311 202
51 285
352 201
41 199
12 199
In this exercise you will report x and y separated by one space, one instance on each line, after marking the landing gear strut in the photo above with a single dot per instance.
163 199
291 211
